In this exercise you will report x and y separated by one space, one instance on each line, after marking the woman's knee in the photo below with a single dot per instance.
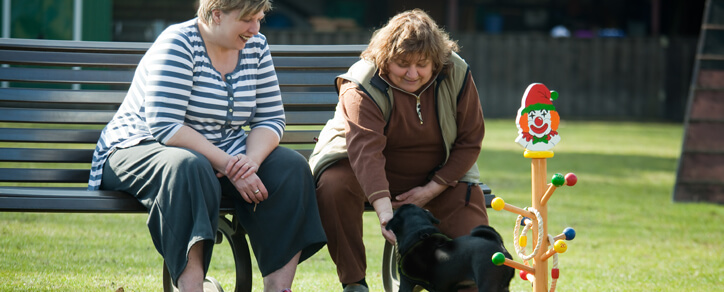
287 158
189 167
339 182
181 159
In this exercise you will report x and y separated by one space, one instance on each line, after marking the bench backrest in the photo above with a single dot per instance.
56 96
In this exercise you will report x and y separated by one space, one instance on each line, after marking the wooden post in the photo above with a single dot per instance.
538 168
538 189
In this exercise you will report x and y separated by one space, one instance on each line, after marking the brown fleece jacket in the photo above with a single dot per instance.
390 159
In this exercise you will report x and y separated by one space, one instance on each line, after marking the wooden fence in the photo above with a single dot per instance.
598 78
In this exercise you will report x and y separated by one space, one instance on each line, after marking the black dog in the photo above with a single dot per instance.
437 263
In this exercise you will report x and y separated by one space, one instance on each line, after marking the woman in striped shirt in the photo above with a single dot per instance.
178 141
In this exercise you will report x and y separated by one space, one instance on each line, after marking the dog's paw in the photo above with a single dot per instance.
442 256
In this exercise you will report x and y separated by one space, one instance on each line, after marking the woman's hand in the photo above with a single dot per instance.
384 213
387 234
251 189
419 196
240 166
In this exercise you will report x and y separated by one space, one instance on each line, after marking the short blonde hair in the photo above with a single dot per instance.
247 7
410 32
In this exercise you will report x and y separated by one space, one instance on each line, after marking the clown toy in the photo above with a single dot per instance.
538 123
538 119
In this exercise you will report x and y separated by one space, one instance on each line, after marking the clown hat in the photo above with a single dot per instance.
538 97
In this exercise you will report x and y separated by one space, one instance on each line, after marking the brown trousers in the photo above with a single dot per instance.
341 205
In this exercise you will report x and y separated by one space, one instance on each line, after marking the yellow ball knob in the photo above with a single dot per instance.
497 204
560 246
523 241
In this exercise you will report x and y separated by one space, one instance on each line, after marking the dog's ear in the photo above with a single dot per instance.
431 217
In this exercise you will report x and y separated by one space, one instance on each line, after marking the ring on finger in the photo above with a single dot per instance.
256 192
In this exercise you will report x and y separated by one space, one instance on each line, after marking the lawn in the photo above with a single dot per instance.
630 235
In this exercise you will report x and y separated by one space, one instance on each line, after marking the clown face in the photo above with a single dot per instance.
539 122
538 119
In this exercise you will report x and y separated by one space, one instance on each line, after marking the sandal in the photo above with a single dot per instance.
211 285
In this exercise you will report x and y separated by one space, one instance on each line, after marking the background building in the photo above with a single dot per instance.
614 59
141 20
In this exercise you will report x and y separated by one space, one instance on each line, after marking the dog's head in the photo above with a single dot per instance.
409 223
409 217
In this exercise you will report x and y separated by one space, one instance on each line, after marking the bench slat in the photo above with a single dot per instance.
306 78
54 156
69 59
306 63
82 59
65 200
46 155
308 117
42 175
66 76
74 46
48 135
117 77
25 115
317 50
141 47
91 136
115 97
98 117
300 137
310 99
86 96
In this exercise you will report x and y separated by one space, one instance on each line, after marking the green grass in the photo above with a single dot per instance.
630 235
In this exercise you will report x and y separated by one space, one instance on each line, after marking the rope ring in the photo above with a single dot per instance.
518 249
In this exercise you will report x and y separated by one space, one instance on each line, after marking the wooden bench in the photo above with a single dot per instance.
56 96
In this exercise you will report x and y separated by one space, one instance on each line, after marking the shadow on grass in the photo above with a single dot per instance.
495 162
609 185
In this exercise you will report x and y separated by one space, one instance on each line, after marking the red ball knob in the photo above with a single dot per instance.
523 275
571 179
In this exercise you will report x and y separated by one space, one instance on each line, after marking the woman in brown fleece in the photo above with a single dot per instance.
407 130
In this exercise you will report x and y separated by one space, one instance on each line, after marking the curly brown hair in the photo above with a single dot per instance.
412 32
248 7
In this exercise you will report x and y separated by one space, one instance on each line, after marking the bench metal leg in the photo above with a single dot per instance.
236 236
390 278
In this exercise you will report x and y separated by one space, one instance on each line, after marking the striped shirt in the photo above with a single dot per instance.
175 84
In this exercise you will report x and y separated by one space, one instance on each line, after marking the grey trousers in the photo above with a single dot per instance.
182 193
